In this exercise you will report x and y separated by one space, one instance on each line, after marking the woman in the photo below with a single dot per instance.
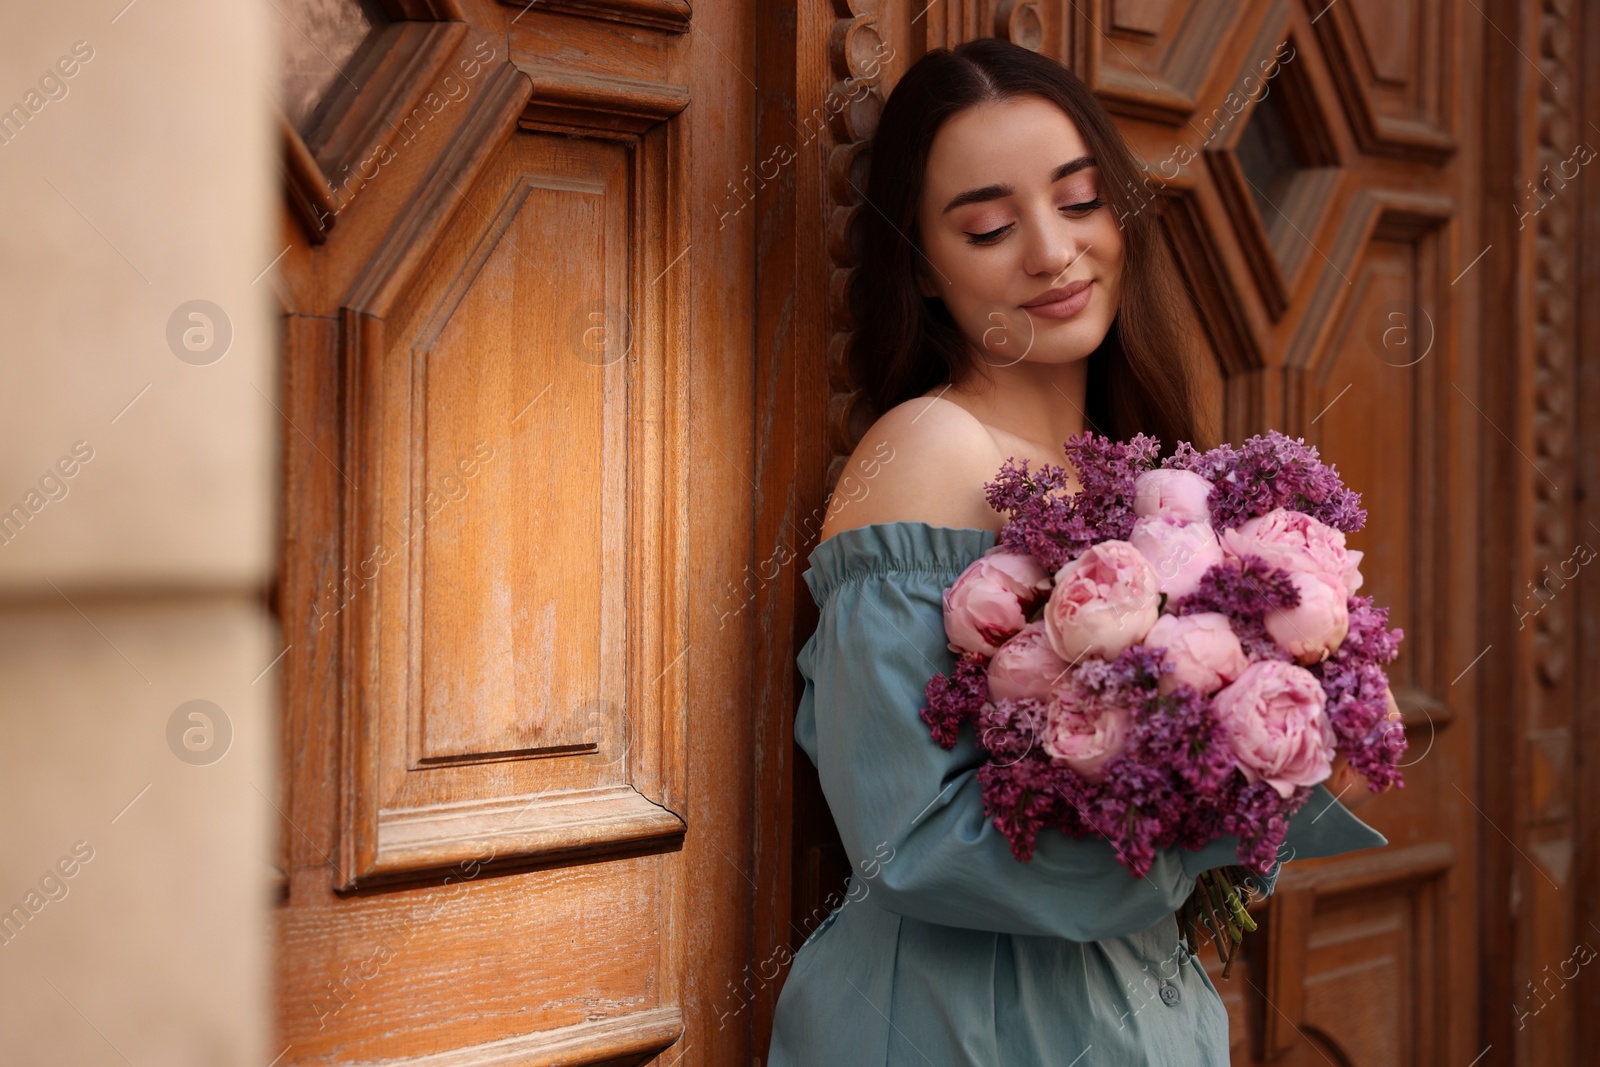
1010 294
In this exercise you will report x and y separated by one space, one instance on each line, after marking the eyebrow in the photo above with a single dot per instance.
995 192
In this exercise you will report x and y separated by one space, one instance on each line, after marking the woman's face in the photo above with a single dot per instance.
1026 222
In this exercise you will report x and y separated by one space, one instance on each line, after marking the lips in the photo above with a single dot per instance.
1055 296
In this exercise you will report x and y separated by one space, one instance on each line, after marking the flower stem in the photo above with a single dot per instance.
1216 906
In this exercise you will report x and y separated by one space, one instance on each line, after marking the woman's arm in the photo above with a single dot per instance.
910 813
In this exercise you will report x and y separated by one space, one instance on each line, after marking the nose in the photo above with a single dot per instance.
1053 244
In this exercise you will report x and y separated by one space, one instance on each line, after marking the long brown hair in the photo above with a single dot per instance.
1140 377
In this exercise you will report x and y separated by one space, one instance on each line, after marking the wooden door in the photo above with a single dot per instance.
1320 169
563 318
518 412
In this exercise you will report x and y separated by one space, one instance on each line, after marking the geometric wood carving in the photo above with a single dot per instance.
362 125
314 201
1152 60
517 507
1354 948
1276 165
672 15
1390 60
623 1040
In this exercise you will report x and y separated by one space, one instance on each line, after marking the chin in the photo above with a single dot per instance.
1064 354
1073 335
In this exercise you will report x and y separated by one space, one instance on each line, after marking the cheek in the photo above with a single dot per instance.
1113 262
1107 236
957 275
987 274
972 301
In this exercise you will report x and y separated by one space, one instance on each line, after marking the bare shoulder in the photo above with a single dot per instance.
924 460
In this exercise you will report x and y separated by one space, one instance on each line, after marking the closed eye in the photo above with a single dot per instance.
1075 210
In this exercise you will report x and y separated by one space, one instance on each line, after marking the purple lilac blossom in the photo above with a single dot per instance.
1354 681
955 698
1245 590
1260 818
1055 526
1271 471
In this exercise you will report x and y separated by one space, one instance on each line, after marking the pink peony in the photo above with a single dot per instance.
1180 552
1313 630
1295 541
1278 726
991 600
1025 666
1202 648
1104 601
1083 736
1177 495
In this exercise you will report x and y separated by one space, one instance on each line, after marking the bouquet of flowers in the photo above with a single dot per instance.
1175 653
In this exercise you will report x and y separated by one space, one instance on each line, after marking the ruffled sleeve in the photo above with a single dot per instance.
910 813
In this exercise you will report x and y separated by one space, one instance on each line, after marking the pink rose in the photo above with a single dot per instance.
1277 725
1172 494
1104 601
1180 552
1295 541
1083 736
1025 666
1313 630
1202 648
991 600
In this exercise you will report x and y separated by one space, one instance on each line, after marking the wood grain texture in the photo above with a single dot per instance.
1585 634
622 1041
1540 615
487 560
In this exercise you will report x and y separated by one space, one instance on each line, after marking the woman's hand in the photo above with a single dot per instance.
1348 785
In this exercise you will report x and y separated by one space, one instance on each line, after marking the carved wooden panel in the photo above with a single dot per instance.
489 389
1152 59
656 14
510 649
1393 61
483 971
858 50
361 126
1272 151
1540 295
1362 940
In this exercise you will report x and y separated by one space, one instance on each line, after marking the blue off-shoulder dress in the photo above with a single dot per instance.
948 950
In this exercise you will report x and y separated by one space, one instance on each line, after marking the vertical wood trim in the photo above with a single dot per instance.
664 193
1534 907
1495 393
310 588
783 370
1288 927
1586 741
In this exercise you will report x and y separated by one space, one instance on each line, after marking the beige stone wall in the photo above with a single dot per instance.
137 533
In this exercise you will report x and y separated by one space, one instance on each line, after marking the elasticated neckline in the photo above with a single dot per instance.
884 547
